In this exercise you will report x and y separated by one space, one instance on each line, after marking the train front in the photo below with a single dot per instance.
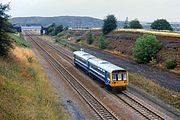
119 79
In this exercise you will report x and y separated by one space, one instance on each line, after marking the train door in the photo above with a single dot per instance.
106 78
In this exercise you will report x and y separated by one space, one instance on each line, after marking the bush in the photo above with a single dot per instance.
89 38
146 48
78 39
170 64
102 42
30 59
60 34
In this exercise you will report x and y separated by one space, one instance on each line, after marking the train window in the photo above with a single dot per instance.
114 77
124 76
119 76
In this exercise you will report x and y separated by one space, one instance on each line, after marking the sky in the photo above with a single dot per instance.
143 10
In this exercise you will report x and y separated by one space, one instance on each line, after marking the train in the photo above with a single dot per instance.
113 76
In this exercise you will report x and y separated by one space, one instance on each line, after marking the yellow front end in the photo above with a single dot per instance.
119 79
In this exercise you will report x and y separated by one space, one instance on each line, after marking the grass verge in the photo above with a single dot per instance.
25 91
168 96
20 40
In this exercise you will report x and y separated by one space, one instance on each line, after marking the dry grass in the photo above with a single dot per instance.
25 92
159 33
45 37
168 96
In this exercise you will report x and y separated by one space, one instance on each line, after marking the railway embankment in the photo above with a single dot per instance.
25 91
122 43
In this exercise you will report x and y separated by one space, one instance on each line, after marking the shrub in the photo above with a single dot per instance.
170 64
30 59
146 48
60 34
89 38
102 42
78 39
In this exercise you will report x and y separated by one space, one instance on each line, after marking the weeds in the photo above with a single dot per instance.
30 59
78 40
32 72
170 64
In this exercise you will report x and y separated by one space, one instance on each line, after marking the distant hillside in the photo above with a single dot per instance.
71 21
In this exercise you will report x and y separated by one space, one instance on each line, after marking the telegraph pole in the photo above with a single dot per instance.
126 23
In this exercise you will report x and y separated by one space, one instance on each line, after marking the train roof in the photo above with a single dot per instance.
83 55
105 65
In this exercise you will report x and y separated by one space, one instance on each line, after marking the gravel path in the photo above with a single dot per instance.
165 79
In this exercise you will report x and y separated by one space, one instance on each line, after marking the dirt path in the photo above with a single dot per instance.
161 77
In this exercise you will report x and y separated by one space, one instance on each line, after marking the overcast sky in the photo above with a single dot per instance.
144 10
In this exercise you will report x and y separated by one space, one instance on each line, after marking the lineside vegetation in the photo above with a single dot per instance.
25 91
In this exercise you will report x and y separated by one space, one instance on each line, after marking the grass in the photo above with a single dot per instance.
159 33
25 91
20 40
168 96
66 45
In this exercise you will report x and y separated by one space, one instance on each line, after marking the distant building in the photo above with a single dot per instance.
35 29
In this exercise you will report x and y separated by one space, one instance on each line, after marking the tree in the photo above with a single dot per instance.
146 48
89 38
102 42
110 23
58 29
161 24
66 28
51 29
5 27
135 24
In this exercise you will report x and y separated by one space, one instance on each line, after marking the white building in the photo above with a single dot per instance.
34 29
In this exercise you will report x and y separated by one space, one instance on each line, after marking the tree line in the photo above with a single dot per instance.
110 23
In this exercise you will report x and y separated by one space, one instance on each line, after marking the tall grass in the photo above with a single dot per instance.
25 92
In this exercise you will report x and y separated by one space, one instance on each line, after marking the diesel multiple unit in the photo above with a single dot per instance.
110 74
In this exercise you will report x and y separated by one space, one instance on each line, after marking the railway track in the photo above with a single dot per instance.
126 97
149 114
93 102
64 53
